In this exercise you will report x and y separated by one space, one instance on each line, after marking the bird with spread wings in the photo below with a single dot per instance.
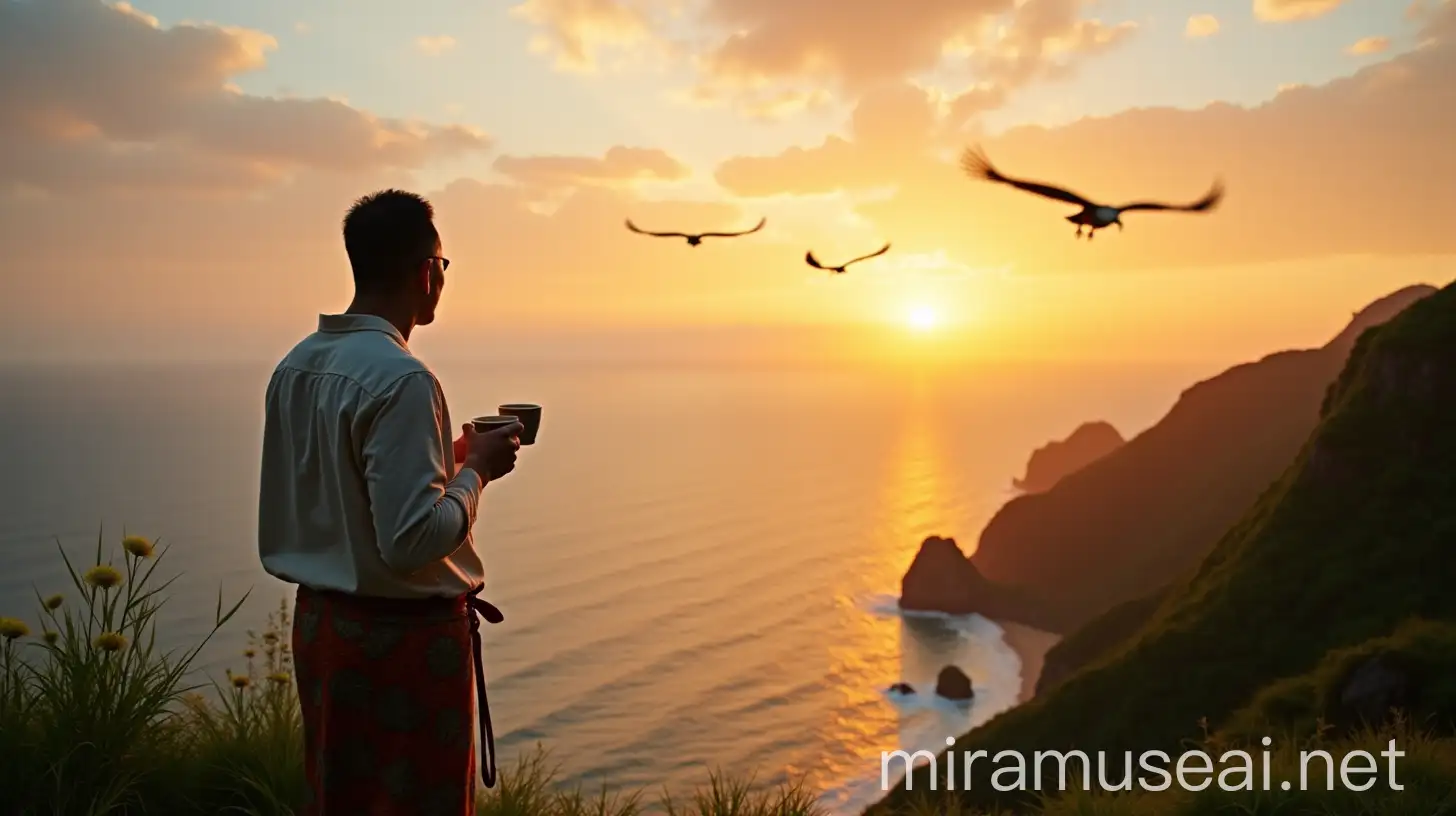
839 270
1093 216
694 239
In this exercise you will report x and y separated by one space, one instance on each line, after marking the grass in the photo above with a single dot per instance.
1422 651
95 720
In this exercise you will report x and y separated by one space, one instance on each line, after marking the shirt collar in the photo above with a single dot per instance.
341 323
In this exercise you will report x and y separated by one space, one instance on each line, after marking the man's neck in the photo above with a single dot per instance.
364 305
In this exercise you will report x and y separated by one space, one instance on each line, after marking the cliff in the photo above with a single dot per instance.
1053 461
1349 543
1130 522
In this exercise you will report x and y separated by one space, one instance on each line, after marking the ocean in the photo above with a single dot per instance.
698 564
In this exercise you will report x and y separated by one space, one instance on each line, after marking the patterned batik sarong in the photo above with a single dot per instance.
388 704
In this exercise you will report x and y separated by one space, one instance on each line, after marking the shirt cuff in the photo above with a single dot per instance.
466 486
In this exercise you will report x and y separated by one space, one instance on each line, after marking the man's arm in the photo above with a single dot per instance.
421 515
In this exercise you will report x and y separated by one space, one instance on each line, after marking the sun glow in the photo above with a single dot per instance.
922 318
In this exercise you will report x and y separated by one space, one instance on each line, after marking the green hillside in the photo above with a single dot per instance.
1352 541
1421 652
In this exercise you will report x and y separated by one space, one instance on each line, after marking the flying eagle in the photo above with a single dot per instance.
1093 216
839 270
694 240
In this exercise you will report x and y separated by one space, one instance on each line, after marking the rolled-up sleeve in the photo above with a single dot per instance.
421 515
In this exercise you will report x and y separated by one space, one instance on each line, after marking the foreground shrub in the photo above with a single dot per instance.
89 707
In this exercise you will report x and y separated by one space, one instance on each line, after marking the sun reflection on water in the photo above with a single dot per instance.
879 648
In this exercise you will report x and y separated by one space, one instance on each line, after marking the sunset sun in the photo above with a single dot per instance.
921 318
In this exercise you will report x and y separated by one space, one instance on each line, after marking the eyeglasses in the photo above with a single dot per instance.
444 262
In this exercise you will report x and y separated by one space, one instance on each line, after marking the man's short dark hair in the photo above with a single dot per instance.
386 233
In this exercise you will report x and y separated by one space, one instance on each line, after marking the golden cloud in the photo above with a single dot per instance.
771 57
1283 11
1367 46
1201 25
578 31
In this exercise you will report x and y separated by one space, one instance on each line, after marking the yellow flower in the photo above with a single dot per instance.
270 637
110 641
10 628
138 546
103 576
249 653
280 677
51 637
54 602
240 681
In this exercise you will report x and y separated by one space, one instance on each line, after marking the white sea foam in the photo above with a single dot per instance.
927 720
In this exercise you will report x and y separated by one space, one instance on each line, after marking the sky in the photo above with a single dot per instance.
173 173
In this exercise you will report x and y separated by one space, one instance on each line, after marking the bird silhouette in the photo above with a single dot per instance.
695 239
839 270
1093 216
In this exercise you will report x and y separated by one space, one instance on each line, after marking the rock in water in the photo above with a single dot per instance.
940 579
902 688
953 684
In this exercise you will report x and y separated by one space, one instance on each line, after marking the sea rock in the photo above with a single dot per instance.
1055 460
953 684
940 579
902 688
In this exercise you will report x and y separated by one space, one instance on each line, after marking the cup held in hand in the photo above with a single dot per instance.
484 424
530 416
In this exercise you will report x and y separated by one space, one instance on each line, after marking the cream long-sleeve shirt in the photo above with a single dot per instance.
357 494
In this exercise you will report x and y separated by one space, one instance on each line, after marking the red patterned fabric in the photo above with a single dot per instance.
388 695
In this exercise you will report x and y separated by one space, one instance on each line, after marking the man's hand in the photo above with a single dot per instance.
492 454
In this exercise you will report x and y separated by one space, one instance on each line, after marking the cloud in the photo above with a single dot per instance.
111 102
1294 191
435 46
620 164
103 98
1201 25
1283 11
578 31
1368 46
234 201
757 54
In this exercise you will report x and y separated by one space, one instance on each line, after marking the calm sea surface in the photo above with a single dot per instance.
698 566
